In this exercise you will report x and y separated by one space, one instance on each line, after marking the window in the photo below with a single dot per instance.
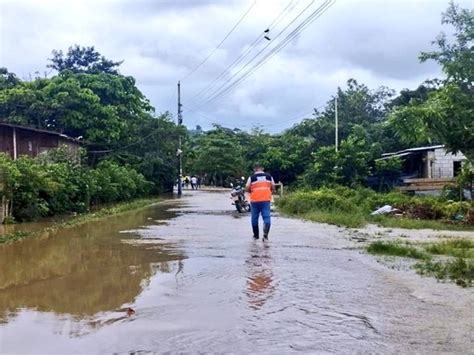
456 168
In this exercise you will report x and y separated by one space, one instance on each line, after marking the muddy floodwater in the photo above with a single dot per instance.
186 276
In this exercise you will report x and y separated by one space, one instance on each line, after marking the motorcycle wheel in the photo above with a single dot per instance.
246 207
238 206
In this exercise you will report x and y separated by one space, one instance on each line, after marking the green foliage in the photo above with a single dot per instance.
460 270
91 101
7 79
446 114
453 247
82 60
349 166
325 199
396 249
357 106
39 189
355 206
12 237
217 155
388 166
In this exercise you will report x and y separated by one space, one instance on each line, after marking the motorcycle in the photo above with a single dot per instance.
240 201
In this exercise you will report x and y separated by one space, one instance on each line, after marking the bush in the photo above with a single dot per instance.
45 189
320 200
361 202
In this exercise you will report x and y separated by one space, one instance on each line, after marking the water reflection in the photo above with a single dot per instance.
259 285
82 270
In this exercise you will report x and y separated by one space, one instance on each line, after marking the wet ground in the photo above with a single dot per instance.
197 282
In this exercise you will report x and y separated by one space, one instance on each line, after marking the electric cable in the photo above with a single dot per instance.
220 44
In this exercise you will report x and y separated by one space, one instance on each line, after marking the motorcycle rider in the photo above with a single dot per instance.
260 185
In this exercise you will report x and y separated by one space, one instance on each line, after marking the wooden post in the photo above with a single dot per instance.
15 148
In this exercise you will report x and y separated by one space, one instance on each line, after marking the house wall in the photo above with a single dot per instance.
443 163
32 143
6 140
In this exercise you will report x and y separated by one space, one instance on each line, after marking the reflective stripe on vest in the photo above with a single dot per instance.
260 187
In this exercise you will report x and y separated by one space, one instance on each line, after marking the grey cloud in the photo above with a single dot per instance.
377 42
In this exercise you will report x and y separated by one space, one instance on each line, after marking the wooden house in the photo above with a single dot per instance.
18 140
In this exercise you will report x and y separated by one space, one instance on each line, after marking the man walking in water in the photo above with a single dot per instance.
261 186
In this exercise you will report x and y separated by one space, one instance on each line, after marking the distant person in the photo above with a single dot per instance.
260 185
194 182
199 182
186 182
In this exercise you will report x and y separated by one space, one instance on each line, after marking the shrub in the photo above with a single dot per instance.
40 189
321 200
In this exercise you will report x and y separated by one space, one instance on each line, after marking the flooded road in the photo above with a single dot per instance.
197 282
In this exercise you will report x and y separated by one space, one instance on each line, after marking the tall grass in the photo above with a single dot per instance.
396 249
352 208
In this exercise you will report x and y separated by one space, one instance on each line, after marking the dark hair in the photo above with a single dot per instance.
257 165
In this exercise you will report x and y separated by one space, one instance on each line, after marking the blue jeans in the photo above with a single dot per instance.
258 208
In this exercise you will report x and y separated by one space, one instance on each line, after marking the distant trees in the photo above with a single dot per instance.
90 100
82 60
446 113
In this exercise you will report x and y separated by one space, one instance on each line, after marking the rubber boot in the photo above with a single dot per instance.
266 230
255 232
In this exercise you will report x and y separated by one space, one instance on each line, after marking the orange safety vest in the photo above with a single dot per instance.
261 187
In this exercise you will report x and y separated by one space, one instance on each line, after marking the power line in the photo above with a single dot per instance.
296 117
243 55
262 50
316 14
220 44
209 119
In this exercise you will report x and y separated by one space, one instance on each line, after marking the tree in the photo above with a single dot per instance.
216 154
349 166
446 116
100 108
357 105
7 79
82 60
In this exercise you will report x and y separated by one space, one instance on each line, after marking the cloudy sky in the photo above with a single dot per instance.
376 42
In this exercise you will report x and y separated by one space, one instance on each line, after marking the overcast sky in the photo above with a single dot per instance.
376 42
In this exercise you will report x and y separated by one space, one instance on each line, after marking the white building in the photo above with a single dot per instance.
432 162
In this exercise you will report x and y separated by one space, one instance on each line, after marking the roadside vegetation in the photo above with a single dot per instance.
351 207
452 259
54 185
76 220
131 150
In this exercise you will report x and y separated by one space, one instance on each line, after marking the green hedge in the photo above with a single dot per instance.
38 189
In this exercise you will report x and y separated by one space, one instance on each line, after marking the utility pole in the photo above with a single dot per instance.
336 119
179 152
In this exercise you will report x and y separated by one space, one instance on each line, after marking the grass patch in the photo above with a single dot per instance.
396 249
339 219
408 223
462 248
459 270
83 218
109 211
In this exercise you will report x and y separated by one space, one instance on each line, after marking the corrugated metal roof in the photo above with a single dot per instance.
41 131
417 149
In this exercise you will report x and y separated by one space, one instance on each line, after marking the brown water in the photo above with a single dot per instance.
198 283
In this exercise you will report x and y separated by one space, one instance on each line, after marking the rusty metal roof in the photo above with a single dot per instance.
34 129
